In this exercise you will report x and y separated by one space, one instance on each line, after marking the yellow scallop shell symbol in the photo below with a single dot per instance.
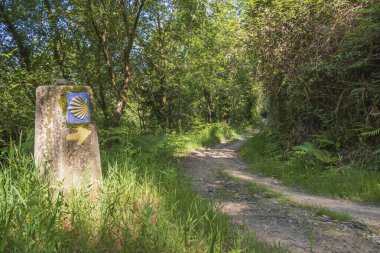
78 107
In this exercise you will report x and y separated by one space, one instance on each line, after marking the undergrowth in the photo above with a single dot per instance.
312 168
143 205
332 214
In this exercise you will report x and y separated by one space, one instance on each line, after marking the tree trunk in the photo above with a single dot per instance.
131 32
122 97
207 99
103 44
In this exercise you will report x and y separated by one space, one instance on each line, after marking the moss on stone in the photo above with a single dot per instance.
84 125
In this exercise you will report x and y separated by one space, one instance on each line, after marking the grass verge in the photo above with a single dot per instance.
333 215
265 153
144 204
266 192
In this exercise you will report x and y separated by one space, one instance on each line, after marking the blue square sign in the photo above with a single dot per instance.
78 107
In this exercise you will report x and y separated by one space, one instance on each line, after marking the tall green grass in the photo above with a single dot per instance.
144 205
310 168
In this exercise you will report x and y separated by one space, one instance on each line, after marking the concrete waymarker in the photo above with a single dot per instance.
66 141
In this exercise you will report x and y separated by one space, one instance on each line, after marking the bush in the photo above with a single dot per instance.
319 65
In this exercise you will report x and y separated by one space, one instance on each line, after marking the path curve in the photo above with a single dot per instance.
297 228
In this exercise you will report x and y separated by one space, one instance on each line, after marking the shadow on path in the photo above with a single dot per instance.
220 175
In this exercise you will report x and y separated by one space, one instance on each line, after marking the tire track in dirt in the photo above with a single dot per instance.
295 227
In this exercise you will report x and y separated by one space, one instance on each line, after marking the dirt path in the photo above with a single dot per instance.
219 175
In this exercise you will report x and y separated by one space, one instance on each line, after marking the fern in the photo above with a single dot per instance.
376 152
310 150
274 145
119 134
375 114
372 133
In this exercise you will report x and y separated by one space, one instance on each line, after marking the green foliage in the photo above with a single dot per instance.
308 149
312 65
201 61
334 215
271 144
144 204
166 145
313 169
16 105
318 63
188 61
372 133
29 212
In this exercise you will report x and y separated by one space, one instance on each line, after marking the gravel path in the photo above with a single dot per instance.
220 175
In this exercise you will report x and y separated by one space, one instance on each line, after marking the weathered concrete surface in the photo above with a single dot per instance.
62 159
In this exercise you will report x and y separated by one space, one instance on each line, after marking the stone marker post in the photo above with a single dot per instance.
66 141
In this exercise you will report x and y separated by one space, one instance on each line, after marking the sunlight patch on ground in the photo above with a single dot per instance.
233 208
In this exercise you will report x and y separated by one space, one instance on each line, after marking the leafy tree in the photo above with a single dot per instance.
318 62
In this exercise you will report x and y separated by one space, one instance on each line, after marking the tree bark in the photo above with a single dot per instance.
131 32
103 43
208 102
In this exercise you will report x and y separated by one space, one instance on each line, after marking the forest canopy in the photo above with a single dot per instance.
311 66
